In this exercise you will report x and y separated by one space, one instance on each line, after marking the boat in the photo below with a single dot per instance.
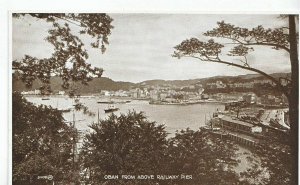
45 98
65 110
105 102
111 108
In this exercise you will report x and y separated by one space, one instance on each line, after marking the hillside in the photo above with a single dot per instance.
95 86
226 79
103 83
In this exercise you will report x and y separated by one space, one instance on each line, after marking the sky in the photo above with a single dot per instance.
141 46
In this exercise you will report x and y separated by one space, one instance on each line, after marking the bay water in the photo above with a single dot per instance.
174 117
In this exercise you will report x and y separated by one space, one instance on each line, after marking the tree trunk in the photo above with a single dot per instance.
293 97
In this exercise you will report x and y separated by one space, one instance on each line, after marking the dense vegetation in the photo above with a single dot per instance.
130 144
41 143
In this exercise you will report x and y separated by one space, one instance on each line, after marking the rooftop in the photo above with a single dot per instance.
236 121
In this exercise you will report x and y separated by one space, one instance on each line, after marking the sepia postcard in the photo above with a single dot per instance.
154 98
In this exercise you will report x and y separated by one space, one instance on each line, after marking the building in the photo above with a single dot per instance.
61 92
33 92
264 82
236 125
246 85
269 100
242 132
105 93
136 93
200 90
121 93
250 98
37 92
163 96
154 95
220 85
284 81
204 96
216 85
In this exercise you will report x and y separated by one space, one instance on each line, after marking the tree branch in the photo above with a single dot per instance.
67 20
268 44
256 43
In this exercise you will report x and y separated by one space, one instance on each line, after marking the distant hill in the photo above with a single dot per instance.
103 83
94 86
232 79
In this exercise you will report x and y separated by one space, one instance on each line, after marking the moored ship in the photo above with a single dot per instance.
111 108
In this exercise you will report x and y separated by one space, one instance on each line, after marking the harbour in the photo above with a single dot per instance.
174 117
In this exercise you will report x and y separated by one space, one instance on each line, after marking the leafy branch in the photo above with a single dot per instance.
68 60
276 38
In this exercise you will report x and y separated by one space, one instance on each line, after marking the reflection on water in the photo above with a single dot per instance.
175 117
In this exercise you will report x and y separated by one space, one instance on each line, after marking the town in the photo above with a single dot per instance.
256 91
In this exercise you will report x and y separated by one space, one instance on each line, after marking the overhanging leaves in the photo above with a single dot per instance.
68 60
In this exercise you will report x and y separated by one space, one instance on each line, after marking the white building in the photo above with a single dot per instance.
61 92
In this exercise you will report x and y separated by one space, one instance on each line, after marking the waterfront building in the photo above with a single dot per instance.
33 92
154 95
163 96
61 92
273 100
204 96
135 95
240 131
105 93
250 98
236 125
37 92
121 93
24 92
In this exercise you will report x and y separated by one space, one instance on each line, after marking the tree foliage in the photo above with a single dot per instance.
209 159
68 59
42 142
276 38
125 144
130 144
276 163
